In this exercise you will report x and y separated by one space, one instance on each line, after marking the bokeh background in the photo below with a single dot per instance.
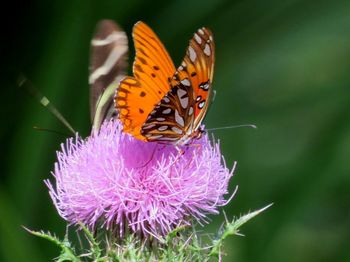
282 65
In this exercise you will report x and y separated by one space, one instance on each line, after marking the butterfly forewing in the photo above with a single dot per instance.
179 114
137 96
153 65
108 65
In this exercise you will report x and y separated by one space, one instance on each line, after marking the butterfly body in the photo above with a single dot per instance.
161 103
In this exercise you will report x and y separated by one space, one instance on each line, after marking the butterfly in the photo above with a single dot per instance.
161 103
108 65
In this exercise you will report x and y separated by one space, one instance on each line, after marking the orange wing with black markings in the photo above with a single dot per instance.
198 68
137 96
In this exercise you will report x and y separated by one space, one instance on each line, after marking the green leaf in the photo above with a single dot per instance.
232 228
94 245
67 252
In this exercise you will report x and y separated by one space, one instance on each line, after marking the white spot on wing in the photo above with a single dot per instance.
192 54
149 126
117 52
201 104
207 50
160 119
162 128
176 130
190 111
114 37
201 31
168 138
166 111
198 38
155 137
179 119
205 86
183 100
185 82
166 99
181 92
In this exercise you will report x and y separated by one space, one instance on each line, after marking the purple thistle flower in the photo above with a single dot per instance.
115 179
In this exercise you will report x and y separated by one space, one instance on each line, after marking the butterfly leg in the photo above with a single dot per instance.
154 151
179 150
180 153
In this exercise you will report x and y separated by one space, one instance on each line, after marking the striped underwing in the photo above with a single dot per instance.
108 65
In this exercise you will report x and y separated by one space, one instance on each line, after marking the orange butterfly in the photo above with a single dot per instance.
161 103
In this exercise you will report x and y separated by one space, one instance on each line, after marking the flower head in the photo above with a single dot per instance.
114 179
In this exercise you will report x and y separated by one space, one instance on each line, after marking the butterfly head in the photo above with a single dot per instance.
191 136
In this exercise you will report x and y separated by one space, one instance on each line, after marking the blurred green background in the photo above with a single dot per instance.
282 65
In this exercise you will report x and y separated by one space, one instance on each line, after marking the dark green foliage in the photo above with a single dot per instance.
181 245
282 65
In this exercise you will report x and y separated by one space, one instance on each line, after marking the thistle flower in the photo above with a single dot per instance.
112 179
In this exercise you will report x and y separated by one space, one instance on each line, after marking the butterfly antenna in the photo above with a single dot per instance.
24 82
231 127
50 130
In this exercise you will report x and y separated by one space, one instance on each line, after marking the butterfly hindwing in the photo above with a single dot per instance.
109 50
172 117
198 68
179 114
